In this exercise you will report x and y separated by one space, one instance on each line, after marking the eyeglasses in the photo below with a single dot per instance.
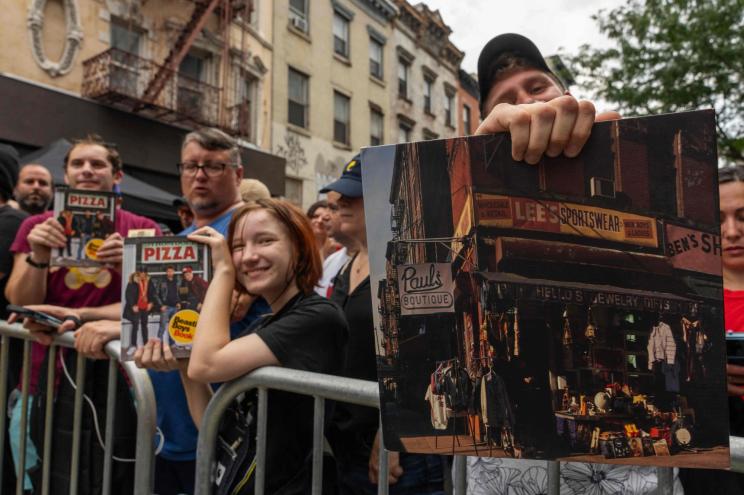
211 169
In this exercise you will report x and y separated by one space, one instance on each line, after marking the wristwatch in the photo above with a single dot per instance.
36 264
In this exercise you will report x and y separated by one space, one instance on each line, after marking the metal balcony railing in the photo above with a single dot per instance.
120 78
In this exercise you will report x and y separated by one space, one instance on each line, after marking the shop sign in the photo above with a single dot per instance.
565 218
425 289
640 301
693 250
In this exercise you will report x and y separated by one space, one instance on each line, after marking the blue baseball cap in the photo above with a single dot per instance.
350 182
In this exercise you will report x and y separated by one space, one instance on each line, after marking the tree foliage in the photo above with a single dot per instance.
670 56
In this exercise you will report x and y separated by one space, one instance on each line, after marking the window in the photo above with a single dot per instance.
428 83
428 134
125 38
467 120
403 68
191 73
340 35
404 131
298 14
125 42
375 58
449 105
376 126
341 118
298 98
241 114
293 190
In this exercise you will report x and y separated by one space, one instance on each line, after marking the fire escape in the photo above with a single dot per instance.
157 90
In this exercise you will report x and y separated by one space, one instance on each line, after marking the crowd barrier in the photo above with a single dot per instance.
320 387
144 401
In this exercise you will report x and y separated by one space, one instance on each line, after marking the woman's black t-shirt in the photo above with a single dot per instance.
309 333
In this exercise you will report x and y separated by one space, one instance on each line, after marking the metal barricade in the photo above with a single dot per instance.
365 393
144 399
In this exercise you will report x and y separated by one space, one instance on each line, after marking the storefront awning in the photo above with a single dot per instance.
510 285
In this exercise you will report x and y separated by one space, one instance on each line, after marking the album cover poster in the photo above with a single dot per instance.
87 218
570 310
164 281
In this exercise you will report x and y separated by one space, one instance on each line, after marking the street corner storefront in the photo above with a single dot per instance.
608 363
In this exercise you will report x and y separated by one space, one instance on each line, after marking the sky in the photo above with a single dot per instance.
551 24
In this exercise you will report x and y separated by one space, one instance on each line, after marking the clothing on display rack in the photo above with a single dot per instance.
661 345
696 344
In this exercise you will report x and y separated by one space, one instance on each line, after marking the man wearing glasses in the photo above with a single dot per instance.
210 171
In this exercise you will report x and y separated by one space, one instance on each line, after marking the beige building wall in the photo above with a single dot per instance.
314 158
421 40
159 21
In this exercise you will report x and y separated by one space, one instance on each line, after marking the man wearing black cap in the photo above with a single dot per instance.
519 94
353 431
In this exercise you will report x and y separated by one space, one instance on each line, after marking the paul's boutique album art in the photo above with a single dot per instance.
164 281
570 310
87 218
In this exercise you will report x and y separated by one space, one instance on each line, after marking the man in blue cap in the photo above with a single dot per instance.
353 431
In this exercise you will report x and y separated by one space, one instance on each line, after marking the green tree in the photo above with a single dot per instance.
670 56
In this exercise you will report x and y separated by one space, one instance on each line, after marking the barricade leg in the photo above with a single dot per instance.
318 437
77 418
4 364
665 480
382 477
23 430
109 442
554 478
460 474
263 400
144 396
46 461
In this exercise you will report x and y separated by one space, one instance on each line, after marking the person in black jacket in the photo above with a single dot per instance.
140 299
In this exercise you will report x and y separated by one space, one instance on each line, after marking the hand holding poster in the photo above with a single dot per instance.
87 218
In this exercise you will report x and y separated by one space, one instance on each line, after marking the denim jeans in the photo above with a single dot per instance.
422 474
165 317
14 431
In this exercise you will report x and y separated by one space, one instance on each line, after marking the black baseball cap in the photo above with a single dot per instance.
512 43
350 182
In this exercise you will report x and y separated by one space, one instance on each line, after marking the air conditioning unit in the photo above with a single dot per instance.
299 23
603 188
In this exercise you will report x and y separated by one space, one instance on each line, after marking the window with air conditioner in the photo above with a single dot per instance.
298 14
602 188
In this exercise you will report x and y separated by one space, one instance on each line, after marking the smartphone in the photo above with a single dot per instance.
735 347
37 316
